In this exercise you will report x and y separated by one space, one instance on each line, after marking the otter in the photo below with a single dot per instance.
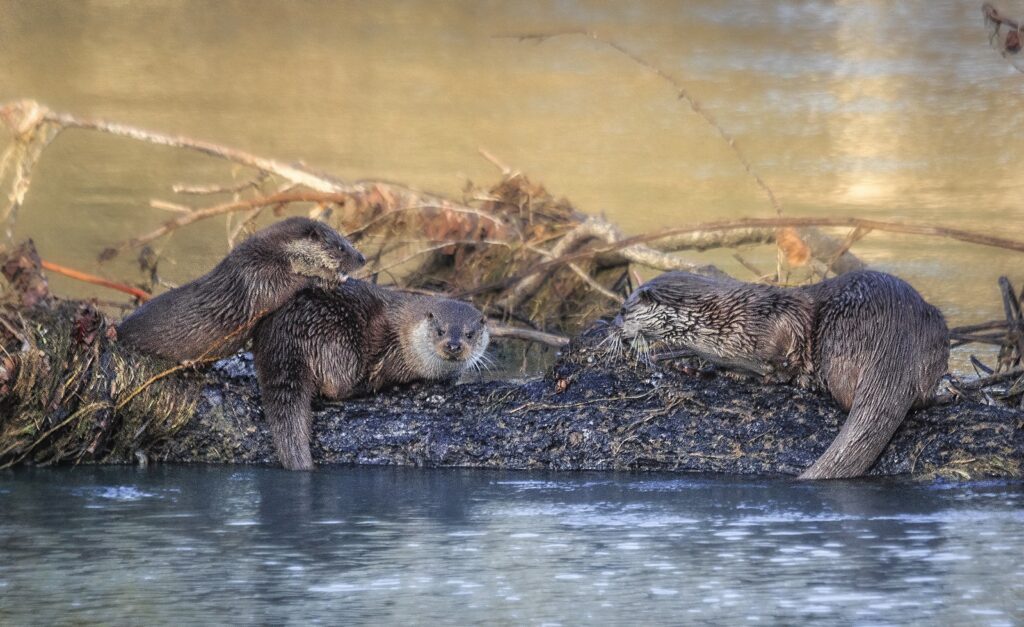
355 339
867 338
212 316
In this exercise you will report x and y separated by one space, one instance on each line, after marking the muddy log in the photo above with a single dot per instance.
590 413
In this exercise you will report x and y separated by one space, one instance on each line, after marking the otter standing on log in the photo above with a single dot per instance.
355 339
868 338
213 315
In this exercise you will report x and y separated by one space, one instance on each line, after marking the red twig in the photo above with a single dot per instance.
78 275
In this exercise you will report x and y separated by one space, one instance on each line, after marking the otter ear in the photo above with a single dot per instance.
317 231
483 320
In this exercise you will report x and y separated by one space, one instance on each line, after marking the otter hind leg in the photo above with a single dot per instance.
880 403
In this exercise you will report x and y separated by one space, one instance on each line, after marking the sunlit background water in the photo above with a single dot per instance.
885 110
413 546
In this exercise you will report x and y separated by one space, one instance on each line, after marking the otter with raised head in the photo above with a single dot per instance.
355 339
867 338
213 315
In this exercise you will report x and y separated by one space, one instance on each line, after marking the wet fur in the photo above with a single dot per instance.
355 339
213 315
868 338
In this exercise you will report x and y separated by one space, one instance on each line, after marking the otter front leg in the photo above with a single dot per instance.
287 386
288 411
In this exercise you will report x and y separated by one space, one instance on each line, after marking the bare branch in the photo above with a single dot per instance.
550 339
205 190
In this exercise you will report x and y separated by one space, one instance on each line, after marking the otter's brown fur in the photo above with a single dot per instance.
213 315
355 339
867 338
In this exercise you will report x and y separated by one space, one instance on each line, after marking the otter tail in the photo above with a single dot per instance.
880 402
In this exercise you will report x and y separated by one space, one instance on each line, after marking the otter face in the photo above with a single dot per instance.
646 320
314 249
642 318
450 337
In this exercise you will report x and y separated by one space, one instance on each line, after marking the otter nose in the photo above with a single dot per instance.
360 258
453 347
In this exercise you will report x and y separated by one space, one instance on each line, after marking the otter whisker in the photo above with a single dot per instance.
484 362
480 363
615 344
641 350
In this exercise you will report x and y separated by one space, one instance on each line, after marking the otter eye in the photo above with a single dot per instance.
430 315
440 333
483 321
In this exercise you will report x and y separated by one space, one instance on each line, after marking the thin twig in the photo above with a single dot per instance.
854 236
505 170
434 248
206 190
981 326
992 379
174 207
85 277
682 92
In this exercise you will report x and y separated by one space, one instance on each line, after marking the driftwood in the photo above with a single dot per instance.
1004 34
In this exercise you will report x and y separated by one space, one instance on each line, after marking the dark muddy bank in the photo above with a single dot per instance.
607 417
70 393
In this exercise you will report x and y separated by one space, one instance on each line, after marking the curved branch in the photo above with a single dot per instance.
681 91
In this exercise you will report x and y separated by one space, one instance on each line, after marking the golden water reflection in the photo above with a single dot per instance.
875 109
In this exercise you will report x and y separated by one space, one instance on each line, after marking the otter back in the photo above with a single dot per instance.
213 315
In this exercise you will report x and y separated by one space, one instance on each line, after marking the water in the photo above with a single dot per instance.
412 546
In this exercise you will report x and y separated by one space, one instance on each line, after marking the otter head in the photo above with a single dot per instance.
313 249
643 316
665 310
447 337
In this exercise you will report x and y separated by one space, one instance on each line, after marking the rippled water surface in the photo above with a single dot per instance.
383 545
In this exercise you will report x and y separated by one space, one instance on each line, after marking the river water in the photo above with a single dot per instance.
413 546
